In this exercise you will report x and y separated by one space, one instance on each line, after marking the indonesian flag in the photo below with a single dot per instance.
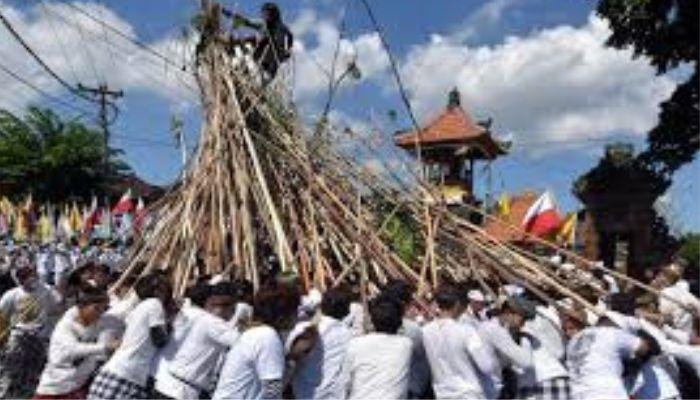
542 218
139 215
124 204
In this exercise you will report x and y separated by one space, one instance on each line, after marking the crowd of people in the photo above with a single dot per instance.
67 335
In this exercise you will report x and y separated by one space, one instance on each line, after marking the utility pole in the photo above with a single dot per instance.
177 129
103 95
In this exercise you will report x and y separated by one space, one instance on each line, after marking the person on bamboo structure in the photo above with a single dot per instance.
318 348
272 46
254 366
597 355
458 357
126 373
74 351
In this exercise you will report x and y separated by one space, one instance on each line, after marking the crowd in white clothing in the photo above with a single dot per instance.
224 341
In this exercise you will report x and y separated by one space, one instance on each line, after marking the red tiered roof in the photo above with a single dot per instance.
453 127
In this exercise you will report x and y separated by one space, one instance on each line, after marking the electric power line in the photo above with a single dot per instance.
131 39
39 60
42 92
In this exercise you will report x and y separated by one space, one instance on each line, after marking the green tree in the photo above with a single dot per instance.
690 251
665 31
53 159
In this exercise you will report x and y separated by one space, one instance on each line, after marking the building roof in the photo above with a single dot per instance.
503 228
453 127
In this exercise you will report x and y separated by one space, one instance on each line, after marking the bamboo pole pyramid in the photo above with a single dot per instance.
262 193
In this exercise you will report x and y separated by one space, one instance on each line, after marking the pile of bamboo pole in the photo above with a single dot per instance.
262 192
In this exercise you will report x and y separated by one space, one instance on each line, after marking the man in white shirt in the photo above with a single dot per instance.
657 378
475 312
254 366
499 333
676 303
126 373
456 354
74 351
318 373
244 301
180 327
45 264
547 378
419 380
209 334
378 364
595 356
28 285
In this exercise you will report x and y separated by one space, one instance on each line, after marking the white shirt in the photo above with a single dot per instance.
319 375
257 356
377 366
132 360
63 265
112 323
160 369
45 266
72 357
420 368
355 319
546 342
505 350
195 359
49 305
658 378
457 358
681 318
242 315
594 359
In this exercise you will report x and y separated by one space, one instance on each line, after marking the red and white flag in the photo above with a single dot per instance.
542 217
124 204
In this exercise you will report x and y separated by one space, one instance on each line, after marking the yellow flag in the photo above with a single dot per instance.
503 206
45 229
75 219
20 232
567 229
7 209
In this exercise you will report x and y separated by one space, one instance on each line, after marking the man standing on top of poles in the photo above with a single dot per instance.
272 45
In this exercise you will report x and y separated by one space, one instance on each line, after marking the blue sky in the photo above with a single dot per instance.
538 67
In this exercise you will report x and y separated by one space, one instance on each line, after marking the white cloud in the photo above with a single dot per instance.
80 49
555 85
316 41
486 17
